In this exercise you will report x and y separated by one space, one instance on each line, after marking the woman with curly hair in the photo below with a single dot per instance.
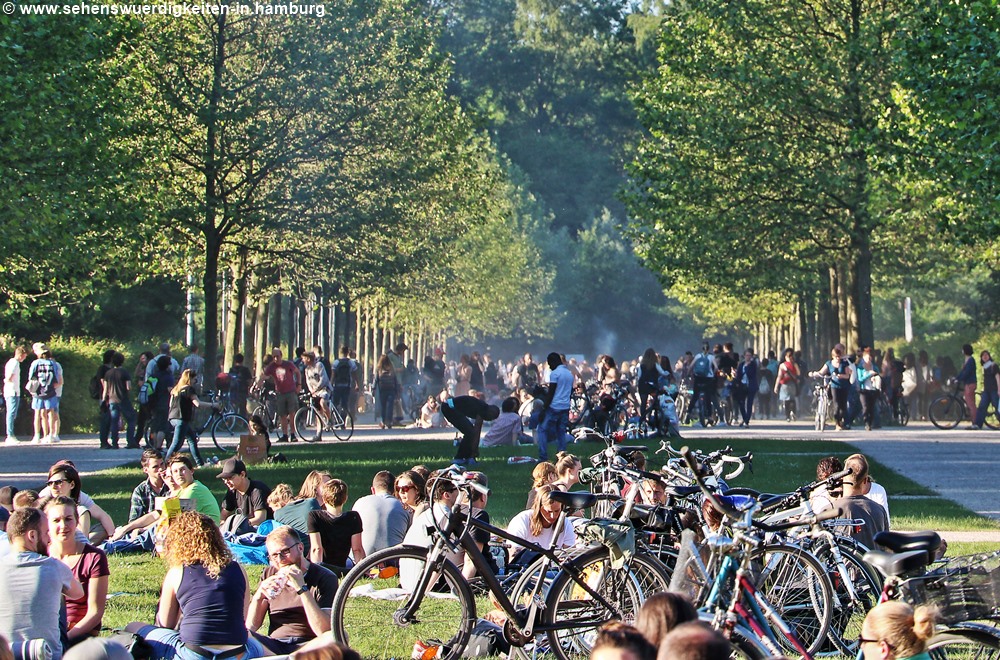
205 592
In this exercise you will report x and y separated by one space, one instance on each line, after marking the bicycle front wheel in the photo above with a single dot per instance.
946 412
821 412
343 425
797 585
578 614
228 428
308 424
374 627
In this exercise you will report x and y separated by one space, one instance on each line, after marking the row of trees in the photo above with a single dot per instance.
800 153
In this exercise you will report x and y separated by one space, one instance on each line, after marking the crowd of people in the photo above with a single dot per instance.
55 572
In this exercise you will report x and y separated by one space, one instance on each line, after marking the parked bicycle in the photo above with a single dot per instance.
949 410
226 426
821 403
585 592
311 421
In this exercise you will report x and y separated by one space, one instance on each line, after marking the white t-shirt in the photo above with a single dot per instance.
877 494
12 378
520 526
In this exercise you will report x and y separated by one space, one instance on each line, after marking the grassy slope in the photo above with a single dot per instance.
778 466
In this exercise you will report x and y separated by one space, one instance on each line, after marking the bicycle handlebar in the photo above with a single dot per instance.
803 492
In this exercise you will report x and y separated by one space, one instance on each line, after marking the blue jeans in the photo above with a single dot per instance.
388 400
117 410
181 431
104 426
555 427
167 645
984 402
13 402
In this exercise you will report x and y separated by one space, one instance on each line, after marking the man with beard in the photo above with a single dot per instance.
33 583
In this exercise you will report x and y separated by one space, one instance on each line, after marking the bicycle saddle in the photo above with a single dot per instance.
628 449
574 500
927 541
898 563
681 491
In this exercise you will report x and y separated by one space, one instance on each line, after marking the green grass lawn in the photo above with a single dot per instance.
779 465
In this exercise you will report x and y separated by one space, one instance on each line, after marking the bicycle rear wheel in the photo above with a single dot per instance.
373 627
946 412
308 424
229 428
966 641
903 413
342 425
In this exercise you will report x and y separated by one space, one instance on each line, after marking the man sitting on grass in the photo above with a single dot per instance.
293 592
245 505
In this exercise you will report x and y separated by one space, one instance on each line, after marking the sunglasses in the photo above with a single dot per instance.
405 488
55 482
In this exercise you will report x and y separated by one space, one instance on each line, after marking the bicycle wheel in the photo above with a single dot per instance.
745 644
965 641
229 428
992 420
946 412
797 585
568 602
849 613
308 424
342 425
821 413
903 413
373 627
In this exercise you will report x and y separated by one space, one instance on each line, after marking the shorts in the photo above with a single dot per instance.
52 403
286 404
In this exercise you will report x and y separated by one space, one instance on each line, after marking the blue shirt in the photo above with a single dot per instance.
563 379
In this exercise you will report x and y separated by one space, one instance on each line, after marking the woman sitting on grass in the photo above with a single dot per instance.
94 523
333 534
88 564
537 524
204 596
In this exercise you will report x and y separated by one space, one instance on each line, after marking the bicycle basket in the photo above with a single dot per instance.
964 589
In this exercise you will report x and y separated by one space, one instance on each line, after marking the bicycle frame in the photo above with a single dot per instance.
525 621
756 616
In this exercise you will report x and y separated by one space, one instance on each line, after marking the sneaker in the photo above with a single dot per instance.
47 440
283 438
36 440
791 417
974 427
54 439
11 440
868 427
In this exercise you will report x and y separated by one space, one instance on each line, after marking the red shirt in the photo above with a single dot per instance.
93 563
284 374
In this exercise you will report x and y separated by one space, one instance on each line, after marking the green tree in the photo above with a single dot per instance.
771 130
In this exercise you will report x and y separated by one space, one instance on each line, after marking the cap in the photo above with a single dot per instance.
38 348
479 477
401 346
231 467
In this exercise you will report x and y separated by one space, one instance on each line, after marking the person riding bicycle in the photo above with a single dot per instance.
703 370
841 374
345 379
317 382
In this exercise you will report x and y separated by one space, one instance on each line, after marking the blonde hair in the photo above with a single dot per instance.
542 473
905 629
280 496
536 523
565 462
312 482
194 538
187 376
334 492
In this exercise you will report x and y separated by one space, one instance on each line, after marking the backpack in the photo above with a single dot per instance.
96 387
342 372
702 367
148 390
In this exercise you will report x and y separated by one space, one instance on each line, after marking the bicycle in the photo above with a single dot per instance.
961 589
898 413
821 403
226 426
265 409
310 421
584 593
948 410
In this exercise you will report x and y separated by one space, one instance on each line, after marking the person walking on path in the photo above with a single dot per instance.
967 377
991 391
841 374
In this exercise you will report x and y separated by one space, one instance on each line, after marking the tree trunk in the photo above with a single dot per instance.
210 288
260 333
237 299
274 321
